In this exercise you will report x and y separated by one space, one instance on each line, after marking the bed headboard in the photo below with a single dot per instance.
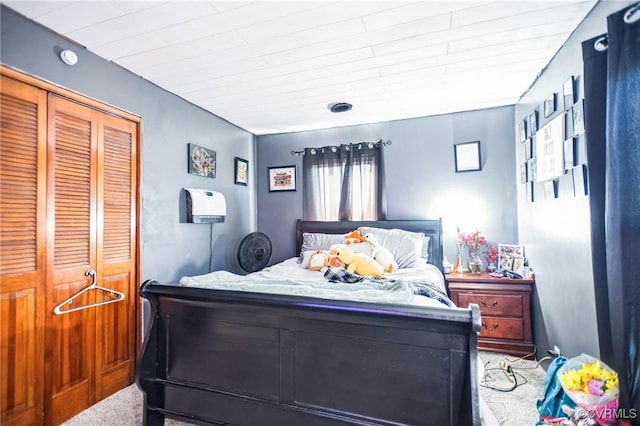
431 228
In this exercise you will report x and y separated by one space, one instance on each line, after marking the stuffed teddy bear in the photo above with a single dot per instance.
359 263
381 254
320 260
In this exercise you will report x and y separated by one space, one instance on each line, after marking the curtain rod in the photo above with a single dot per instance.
631 16
381 142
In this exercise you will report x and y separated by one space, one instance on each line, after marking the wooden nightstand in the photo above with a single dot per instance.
505 305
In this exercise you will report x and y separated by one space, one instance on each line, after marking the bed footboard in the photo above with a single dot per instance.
223 357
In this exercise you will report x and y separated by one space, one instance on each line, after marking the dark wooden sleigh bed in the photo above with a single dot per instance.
239 358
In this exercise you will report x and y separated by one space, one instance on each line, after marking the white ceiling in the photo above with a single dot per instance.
273 66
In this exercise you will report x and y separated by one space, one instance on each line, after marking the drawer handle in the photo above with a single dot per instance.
493 305
486 327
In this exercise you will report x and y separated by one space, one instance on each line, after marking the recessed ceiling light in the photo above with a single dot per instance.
340 107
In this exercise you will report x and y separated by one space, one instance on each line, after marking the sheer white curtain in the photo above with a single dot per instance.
344 182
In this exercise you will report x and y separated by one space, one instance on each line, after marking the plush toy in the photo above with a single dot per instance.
359 263
335 262
354 237
381 254
318 260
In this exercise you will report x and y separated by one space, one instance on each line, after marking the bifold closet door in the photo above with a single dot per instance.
90 353
22 252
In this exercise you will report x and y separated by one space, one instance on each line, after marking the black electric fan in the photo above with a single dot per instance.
254 252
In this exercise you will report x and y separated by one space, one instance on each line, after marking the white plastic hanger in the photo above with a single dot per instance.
116 296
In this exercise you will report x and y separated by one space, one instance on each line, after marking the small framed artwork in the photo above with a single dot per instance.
533 122
467 156
580 186
523 130
569 153
529 191
517 265
578 117
550 105
241 171
568 124
528 149
506 253
549 145
532 169
551 189
568 90
202 161
282 178
524 176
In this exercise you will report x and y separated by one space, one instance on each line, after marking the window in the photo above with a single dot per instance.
344 182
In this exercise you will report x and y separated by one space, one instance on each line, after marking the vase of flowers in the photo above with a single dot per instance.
492 257
474 242
593 386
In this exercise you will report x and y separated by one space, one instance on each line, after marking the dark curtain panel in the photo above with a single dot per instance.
344 182
594 53
622 209
323 170
363 192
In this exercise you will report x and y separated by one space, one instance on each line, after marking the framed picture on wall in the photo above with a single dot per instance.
568 91
282 178
241 171
529 191
550 105
569 153
467 156
549 146
533 122
524 176
523 130
578 117
528 149
202 161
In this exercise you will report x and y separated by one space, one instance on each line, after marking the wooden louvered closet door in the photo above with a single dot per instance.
91 187
68 204
22 251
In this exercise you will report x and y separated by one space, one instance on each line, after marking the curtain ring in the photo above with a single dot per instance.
359 146
334 149
632 15
313 150
370 145
601 44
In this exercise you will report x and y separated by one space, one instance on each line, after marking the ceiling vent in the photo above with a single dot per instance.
340 107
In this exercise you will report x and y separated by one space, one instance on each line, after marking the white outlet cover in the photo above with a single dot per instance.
69 57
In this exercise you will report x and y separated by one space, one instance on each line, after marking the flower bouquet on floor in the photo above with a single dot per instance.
593 386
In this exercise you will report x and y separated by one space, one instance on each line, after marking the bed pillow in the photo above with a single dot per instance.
425 247
405 246
317 241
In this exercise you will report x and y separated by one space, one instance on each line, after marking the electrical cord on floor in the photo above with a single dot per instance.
488 381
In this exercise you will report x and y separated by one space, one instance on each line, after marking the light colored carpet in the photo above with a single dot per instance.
517 407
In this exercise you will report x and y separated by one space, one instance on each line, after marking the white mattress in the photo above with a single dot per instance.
288 277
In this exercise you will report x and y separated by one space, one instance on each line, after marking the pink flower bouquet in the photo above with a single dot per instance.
593 386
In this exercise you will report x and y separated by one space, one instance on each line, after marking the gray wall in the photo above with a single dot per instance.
171 248
556 233
421 181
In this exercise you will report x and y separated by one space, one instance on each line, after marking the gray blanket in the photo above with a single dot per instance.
419 287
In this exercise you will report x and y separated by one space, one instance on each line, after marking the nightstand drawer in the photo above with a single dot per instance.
493 304
502 328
